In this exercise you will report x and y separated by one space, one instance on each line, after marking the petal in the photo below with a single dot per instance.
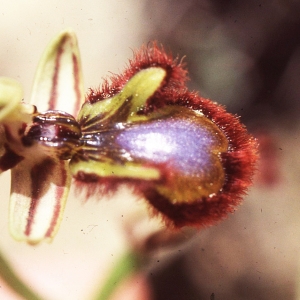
38 196
133 96
105 168
58 83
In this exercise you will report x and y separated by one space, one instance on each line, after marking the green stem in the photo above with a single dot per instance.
127 265
14 282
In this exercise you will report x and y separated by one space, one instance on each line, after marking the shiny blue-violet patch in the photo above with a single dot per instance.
182 143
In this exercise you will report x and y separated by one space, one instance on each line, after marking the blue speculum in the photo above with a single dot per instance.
186 148
183 144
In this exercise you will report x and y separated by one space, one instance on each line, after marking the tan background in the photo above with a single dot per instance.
252 255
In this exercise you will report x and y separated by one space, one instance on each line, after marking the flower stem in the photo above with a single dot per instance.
128 264
14 282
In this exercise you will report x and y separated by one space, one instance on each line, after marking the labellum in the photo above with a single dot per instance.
190 159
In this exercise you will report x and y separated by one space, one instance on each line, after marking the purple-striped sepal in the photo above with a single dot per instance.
39 191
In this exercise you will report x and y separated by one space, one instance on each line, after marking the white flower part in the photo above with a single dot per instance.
58 83
38 197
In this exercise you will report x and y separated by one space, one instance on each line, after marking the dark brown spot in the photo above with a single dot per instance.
9 159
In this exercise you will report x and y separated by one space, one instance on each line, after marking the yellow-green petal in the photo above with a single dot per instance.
138 89
110 169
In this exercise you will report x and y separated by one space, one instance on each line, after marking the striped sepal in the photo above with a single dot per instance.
59 81
38 196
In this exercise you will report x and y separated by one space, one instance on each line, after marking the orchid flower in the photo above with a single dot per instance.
40 180
185 155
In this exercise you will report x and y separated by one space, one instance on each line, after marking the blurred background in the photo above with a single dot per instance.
242 54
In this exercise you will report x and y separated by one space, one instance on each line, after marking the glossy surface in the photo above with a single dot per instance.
185 144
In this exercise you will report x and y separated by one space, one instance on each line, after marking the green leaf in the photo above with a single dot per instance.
14 282
127 265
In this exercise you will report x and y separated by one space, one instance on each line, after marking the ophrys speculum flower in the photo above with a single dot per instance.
188 157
